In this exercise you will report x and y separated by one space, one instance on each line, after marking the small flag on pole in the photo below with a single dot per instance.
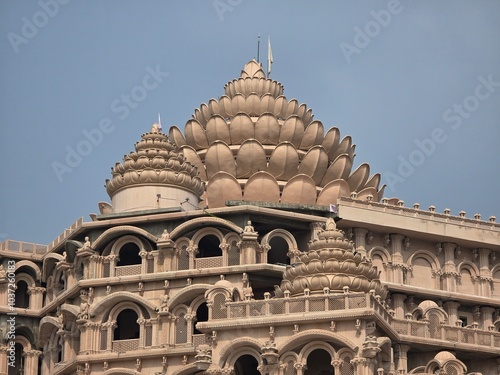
333 209
159 122
269 55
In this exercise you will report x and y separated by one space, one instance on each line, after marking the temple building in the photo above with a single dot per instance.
249 243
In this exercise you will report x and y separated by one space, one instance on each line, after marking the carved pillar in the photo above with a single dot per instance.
46 359
192 250
449 270
397 257
36 297
31 361
452 310
399 305
189 320
225 258
485 276
487 318
3 359
402 357
300 367
360 240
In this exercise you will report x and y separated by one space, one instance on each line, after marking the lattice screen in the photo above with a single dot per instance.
183 263
149 335
181 329
233 255
346 368
104 339
434 326
219 307
290 370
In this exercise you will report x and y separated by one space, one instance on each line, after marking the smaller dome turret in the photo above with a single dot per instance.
155 175
333 263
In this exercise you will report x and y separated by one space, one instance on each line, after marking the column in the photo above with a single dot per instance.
3 359
450 273
31 361
399 305
144 261
402 357
485 276
192 250
360 240
452 310
487 321
397 257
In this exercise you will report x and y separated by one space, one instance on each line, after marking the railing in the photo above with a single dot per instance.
333 302
412 212
23 247
297 305
209 262
64 235
121 346
134 269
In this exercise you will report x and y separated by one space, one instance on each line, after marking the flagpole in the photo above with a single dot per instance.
258 47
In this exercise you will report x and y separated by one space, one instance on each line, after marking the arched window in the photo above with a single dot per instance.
22 296
19 361
246 365
379 263
127 326
129 255
201 316
319 363
209 247
278 252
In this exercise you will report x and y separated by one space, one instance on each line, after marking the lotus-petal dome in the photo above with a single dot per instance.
333 263
254 128
155 175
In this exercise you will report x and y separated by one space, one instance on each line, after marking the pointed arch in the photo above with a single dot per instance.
203 222
282 233
188 293
115 232
115 298
230 353
32 266
119 371
302 338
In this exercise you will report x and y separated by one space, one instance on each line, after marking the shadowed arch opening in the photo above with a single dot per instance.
18 367
201 316
209 247
22 297
246 365
129 255
278 252
126 325
319 363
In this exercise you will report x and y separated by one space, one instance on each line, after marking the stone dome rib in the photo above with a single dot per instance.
284 139
332 263
156 162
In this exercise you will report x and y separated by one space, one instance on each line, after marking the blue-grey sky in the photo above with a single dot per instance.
415 83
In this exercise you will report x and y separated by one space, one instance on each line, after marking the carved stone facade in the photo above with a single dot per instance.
246 245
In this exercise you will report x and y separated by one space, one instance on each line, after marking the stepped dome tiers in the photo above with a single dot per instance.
253 144
153 176
332 263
